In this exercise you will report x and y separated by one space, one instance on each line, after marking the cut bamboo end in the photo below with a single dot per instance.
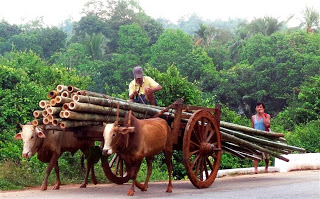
56 121
37 122
54 110
52 94
50 118
53 102
61 88
65 106
71 105
48 106
65 94
76 98
72 89
45 121
62 100
37 113
43 103
45 113
61 114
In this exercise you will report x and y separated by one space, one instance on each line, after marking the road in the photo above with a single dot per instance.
296 184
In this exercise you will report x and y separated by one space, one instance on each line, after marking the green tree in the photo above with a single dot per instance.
95 45
174 86
171 47
311 19
132 40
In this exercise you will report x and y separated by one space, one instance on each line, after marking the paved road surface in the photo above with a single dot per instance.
297 185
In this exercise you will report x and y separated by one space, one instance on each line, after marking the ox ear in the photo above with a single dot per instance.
126 130
39 132
17 136
20 125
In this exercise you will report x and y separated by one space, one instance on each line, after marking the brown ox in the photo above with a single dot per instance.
145 138
49 145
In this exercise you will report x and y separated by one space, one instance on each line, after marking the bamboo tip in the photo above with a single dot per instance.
66 114
45 113
35 123
71 105
58 99
65 106
75 98
65 94
46 121
53 102
52 94
62 125
61 114
43 103
55 122
60 88
50 111
36 113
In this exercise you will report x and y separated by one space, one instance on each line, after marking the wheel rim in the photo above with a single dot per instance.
202 149
114 168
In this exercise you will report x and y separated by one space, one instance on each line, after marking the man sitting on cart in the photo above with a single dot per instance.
142 88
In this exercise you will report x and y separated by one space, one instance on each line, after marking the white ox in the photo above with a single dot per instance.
49 145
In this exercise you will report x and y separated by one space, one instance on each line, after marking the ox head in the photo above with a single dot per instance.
30 136
112 136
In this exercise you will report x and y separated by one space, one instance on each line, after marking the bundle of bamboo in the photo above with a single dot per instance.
71 107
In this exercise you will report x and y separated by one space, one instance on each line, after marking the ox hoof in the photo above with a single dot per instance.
43 187
94 181
56 186
130 192
169 190
83 185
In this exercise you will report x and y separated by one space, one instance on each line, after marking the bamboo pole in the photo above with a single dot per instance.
37 114
241 149
249 130
43 103
52 94
72 89
36 122
61 88
45 121
61 100
56 121
86 116
69 124
261 141
249 145
233 152
65 94
45 113
61 114
54 110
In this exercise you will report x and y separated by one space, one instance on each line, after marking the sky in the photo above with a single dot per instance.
54 12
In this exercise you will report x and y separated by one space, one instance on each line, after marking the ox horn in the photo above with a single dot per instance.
130 114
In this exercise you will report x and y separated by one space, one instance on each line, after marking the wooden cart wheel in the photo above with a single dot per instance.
202 149
114 168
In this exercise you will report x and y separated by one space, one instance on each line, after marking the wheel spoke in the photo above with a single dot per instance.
201 168
201 131
196 135
113 159
117 166
209 163
195 160
194 152
198 166
191 142
206 130
205 167
210 135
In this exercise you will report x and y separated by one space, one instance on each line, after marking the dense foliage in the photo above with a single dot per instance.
235 63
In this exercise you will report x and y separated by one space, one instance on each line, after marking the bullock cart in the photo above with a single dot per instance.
195 132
